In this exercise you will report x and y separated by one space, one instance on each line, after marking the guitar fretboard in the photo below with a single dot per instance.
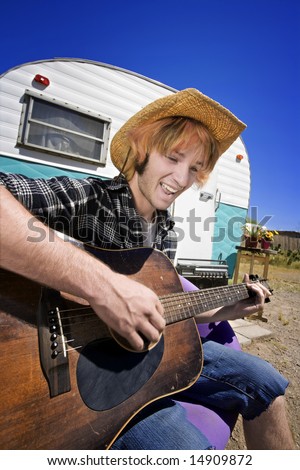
190 304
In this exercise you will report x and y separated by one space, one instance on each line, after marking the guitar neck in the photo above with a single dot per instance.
185 305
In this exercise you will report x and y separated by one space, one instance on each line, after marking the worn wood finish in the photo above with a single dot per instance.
29 418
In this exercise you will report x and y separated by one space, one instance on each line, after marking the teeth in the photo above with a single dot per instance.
168 188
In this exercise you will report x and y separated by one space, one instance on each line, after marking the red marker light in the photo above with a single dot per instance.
41 79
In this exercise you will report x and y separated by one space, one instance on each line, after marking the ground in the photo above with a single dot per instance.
282 348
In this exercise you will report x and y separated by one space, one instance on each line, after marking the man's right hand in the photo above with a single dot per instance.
131 309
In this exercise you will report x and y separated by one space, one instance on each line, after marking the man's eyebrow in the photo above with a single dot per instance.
179 153
182 155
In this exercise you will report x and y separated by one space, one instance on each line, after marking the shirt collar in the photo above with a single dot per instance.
119 182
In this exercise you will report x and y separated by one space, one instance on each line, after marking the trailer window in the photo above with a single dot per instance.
63 129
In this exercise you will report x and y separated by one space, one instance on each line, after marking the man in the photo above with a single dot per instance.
161 151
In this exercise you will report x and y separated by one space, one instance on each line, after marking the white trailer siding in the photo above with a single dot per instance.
233 179
219 218
95 87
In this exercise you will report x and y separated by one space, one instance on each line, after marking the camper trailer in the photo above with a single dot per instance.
58 117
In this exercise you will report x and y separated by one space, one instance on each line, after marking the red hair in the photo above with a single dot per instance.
169 134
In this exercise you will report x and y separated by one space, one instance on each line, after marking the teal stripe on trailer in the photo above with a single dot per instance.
36 170
228 233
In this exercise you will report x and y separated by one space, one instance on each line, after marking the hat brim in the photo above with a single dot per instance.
224 126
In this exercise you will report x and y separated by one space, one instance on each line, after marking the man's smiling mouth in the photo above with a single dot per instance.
169 189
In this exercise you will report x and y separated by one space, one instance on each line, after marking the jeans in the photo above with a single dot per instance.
230 380
161 425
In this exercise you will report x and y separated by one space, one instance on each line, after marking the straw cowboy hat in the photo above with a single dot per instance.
223 125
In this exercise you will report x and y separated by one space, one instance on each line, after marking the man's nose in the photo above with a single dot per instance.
182 176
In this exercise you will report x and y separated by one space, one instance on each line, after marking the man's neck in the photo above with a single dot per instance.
142 206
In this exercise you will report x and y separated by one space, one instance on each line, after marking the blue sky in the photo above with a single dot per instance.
243 53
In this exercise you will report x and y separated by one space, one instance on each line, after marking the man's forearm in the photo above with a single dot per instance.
39 253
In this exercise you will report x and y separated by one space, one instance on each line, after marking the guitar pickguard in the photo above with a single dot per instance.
108 374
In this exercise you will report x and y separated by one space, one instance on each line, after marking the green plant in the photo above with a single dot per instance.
287 258
251 230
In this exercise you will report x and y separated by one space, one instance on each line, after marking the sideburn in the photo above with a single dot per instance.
141 166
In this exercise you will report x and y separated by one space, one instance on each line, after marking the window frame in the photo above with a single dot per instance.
30 97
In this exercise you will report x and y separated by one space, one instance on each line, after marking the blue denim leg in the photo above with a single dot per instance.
161 426
235 380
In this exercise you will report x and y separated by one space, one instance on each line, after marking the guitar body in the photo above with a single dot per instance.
85 396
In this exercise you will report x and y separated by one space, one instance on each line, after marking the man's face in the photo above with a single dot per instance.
164 178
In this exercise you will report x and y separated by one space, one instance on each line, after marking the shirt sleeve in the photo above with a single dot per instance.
49 199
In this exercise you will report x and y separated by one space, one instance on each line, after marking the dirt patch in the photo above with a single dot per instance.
282 349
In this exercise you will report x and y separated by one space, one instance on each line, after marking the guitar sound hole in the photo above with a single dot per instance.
108 374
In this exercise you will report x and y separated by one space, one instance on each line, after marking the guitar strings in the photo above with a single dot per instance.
170 301
185 296
173 309
205 291
181 312
177 306
174 297
76 308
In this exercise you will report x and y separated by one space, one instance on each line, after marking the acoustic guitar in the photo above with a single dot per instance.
68 382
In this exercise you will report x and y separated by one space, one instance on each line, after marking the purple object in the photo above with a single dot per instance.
216 425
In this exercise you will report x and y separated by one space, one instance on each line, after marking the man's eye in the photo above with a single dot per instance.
173 159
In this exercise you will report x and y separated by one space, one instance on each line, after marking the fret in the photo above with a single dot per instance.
183 305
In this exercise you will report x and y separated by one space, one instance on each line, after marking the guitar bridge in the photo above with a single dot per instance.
53 354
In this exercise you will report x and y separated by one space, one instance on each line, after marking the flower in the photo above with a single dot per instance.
268 235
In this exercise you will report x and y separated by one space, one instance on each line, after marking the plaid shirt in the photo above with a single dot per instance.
94 211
